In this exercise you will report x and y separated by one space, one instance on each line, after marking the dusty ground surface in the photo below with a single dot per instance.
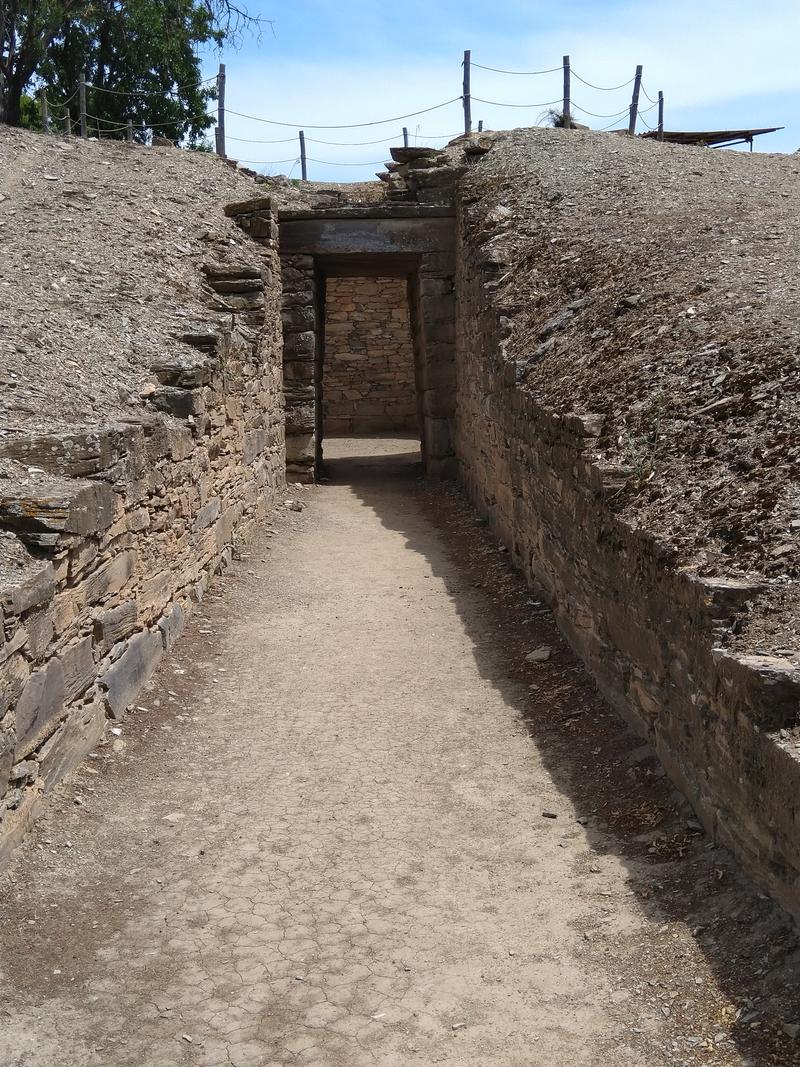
658 285
349 824
101 251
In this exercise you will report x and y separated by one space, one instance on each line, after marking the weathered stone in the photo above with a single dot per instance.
764 688
14 674
253 444
57 506
78 667
171 624
72 741
229 270
6 755
300 418
24 773
205 340
249 207
24 581
23 637
81 557
125 677
207 514
39 630
178 402
73 454
413 153
115 624
237 285
106 579
39 708
184 373
238 302
299 346
298 319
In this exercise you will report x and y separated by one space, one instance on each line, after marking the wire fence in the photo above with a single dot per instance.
70 117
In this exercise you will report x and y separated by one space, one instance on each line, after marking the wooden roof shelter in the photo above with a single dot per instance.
710 138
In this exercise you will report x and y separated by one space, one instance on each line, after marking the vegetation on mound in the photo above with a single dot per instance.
139 58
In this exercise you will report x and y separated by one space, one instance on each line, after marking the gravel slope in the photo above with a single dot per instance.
658 285
101 249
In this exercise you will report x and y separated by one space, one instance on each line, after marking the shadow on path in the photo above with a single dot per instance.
701 908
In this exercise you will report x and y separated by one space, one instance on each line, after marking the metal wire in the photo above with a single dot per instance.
341 144
143 92
594 115
602 88
247 140
498 70
353 144
604 129
106 122
499 103
346 126
309 159
330 163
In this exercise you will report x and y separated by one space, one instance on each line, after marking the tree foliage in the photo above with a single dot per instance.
139 57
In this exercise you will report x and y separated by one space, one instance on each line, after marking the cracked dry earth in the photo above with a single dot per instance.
348 825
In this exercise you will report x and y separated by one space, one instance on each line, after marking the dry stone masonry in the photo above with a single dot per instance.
108 536
368 371
723 725
411 242
363 318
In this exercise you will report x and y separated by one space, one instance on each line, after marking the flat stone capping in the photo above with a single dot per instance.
396 211
360 234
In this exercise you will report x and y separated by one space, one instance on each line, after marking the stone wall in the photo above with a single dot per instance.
107 537
725 726
389 240
368 373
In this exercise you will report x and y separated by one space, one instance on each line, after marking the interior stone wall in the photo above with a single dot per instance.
108 536
725 726
324 244
368 381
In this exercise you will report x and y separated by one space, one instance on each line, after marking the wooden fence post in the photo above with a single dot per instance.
405 137
467 95
660 115
634 112
219 132
303 166
82 103
566 106
67 122
129 132
480 126
45 111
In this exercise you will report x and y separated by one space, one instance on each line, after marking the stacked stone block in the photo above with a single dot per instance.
368 381
108 536
296 277
725 726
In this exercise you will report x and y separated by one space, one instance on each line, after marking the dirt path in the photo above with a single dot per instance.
349 825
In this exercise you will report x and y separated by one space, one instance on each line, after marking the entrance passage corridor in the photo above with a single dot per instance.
349 824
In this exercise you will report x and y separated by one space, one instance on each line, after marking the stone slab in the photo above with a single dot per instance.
123 680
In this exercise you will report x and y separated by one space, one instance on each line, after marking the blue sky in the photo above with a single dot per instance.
338 62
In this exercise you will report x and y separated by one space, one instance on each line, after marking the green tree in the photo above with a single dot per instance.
139 57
